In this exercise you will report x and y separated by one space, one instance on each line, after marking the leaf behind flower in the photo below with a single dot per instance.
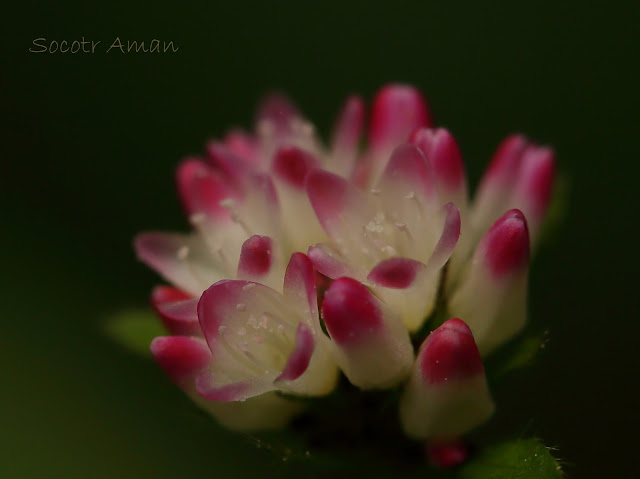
134 329
518 459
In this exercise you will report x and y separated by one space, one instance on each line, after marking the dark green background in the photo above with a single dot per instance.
89 152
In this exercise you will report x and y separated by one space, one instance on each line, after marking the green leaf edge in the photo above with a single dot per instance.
517 459
134 329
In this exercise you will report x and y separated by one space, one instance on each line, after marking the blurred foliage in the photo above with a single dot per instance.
520 459
134 329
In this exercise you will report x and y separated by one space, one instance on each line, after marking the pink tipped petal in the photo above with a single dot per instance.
416 301
448 239
299 359
340 208
447 455
256 258
231 165
182 316
227 393
262 204
328 194
346 136
180 259
243 323
532 191
330 263
396 273
372 346
203 190
397 111
181 357
300 282
447 394
291 165
177 310
348 129
506 161
351 312
492 294
278 110
242 145
441 150
262 183
507 244
259 212
496 187
226 304
408 167
450 354
167 294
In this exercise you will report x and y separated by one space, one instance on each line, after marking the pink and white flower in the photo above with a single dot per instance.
305 260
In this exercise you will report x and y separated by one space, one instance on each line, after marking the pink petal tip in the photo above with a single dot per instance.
291 165
450 353
507 243
397 111
299 359
441 149
395 273
350 311
255 257
181 357
177 310
447 455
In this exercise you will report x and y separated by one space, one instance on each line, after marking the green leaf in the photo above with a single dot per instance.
519 459
134 329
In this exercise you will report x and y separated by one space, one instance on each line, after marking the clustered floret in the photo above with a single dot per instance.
306 261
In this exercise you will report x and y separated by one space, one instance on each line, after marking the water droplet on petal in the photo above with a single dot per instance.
182 253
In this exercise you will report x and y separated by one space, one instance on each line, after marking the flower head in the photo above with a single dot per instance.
305 260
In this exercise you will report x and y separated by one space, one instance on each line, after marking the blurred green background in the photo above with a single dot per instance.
89 151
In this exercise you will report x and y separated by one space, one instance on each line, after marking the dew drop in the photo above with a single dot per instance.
197 218
390 250
182 253
227 203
